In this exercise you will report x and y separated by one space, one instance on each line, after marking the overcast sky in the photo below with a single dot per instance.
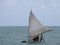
16 12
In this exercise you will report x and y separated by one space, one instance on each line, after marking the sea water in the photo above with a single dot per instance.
14 35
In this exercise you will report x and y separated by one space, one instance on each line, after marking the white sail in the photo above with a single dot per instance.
35 27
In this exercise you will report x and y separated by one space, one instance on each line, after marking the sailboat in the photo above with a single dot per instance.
35 28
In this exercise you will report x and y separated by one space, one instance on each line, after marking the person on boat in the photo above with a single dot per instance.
37 38
41 38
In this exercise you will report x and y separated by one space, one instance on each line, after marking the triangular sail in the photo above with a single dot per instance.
35 27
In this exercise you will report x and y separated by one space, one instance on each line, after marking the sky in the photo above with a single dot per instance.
16 12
